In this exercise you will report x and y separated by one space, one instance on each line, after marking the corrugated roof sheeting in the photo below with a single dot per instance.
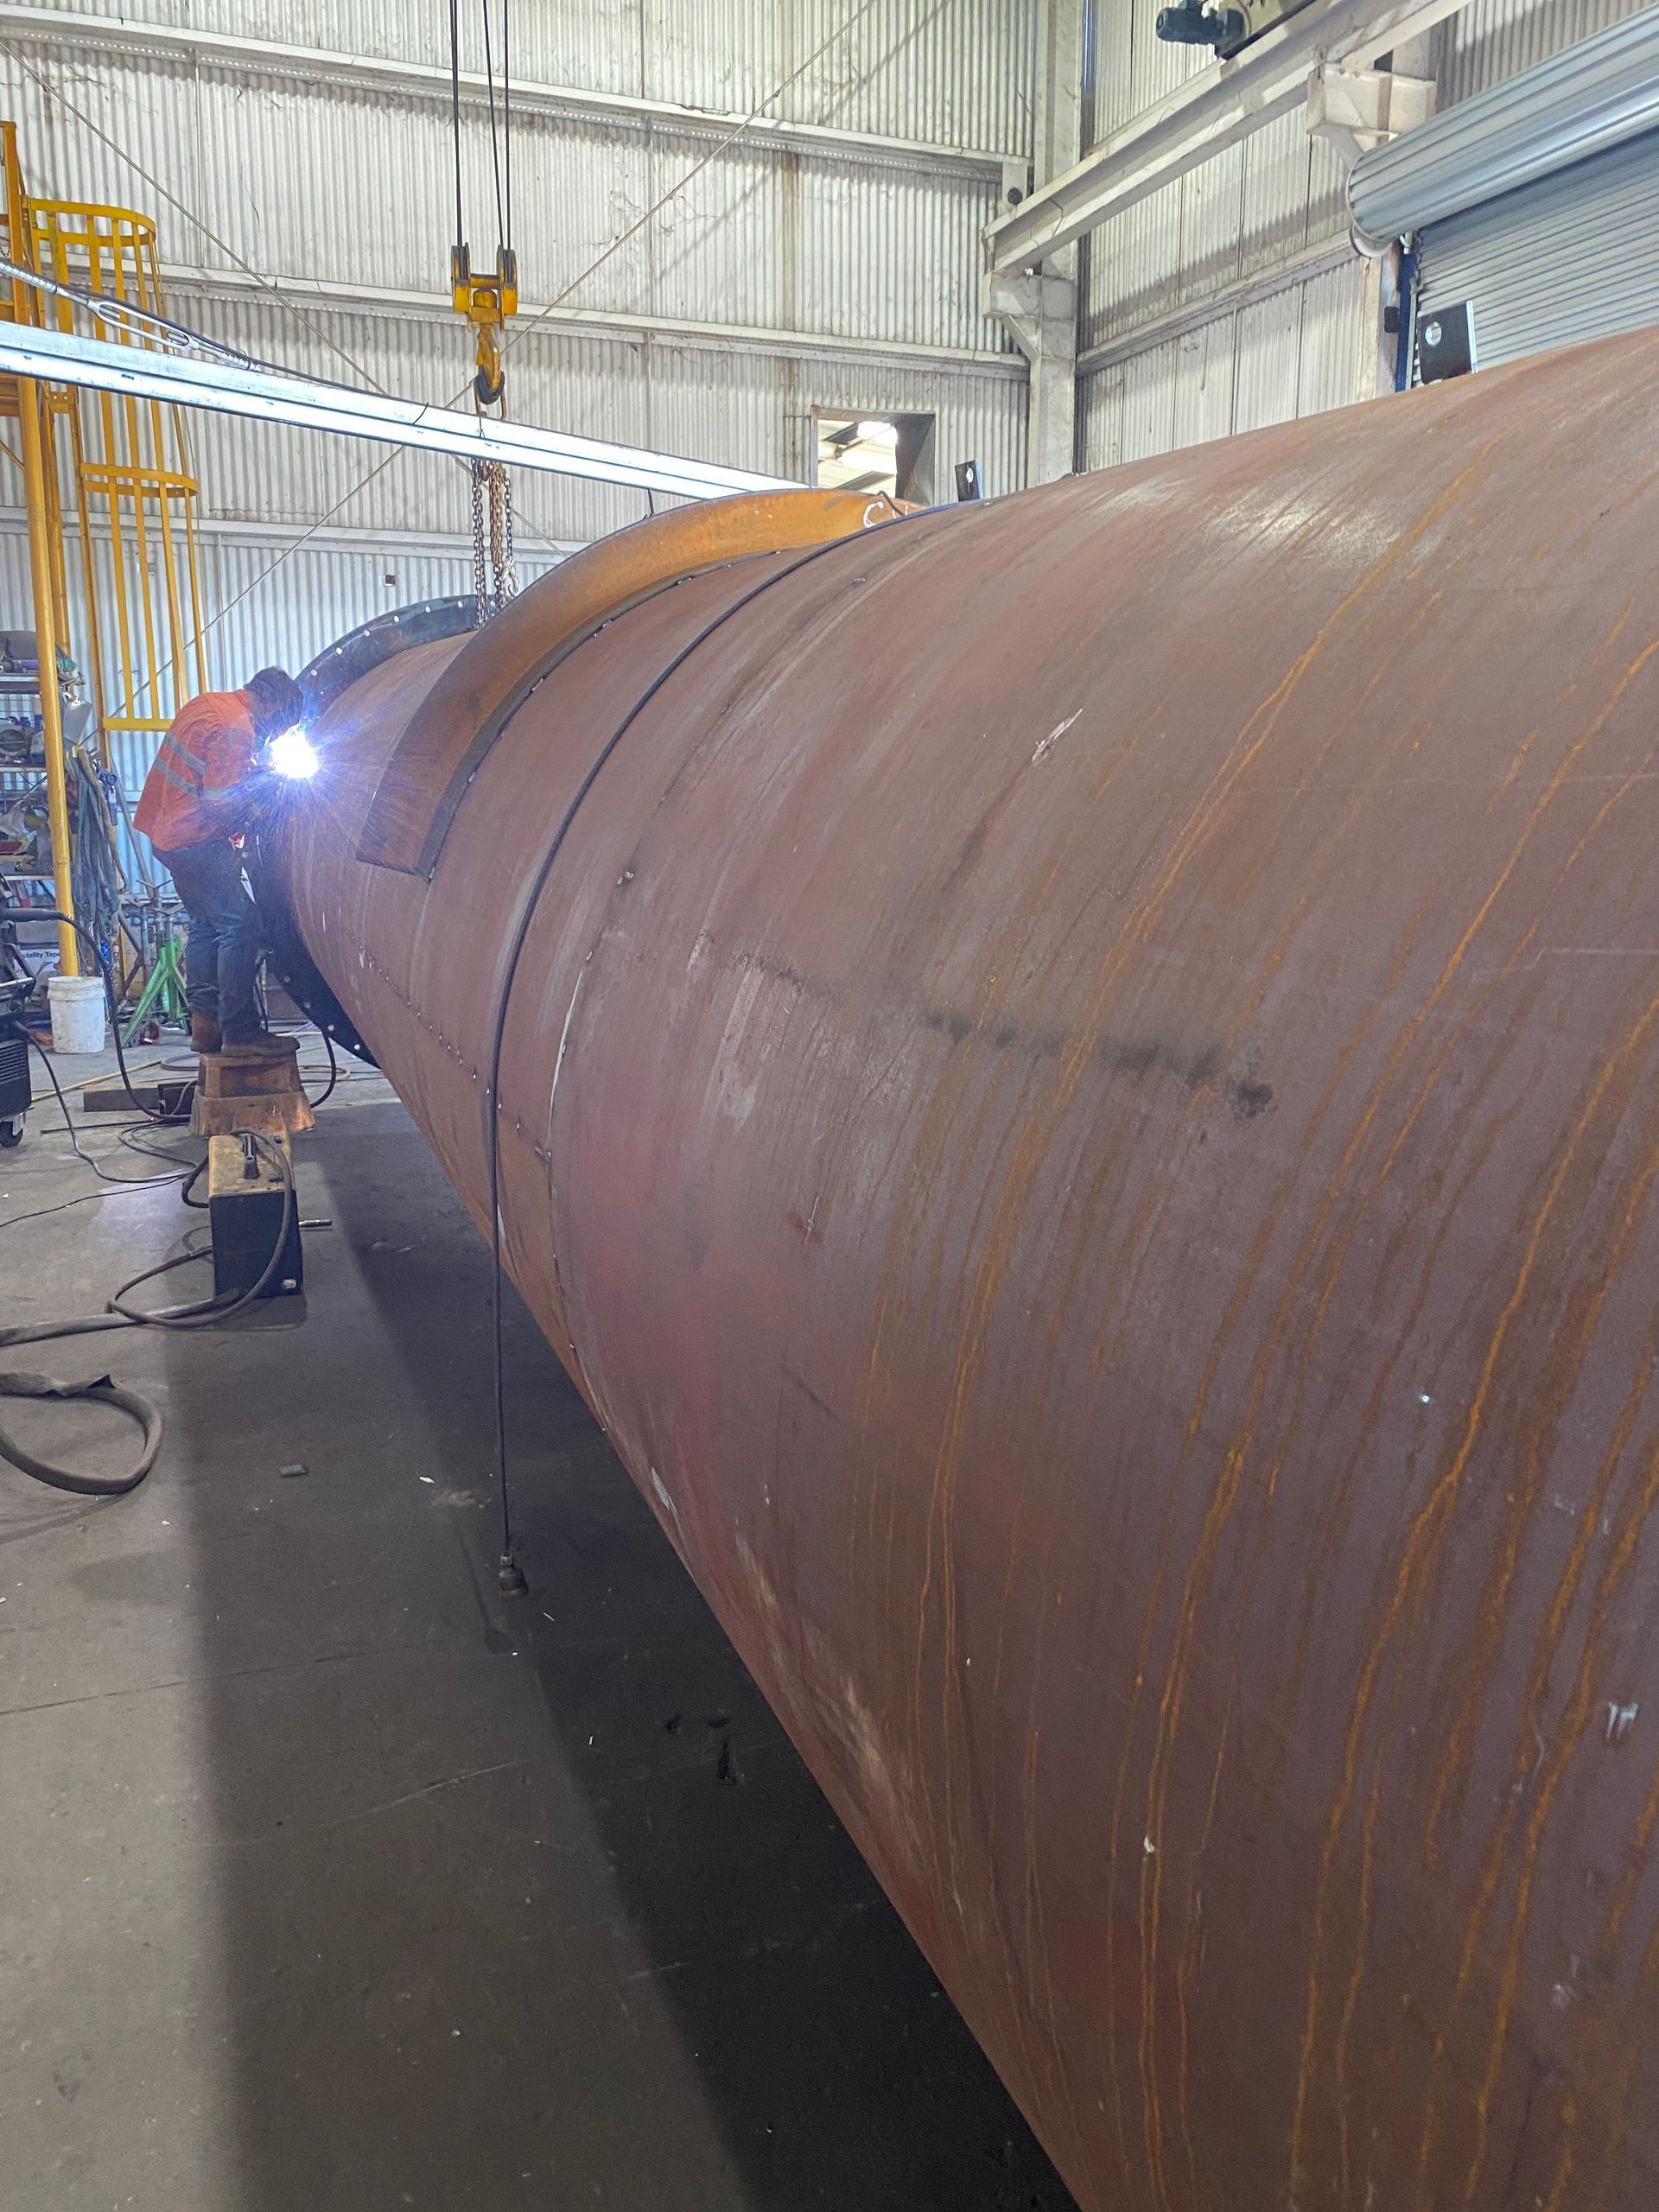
266 608
323 182
152 136
1281 190
1303 348
1299 351
1336 350
955 71
1132 66
1267 344
1240 215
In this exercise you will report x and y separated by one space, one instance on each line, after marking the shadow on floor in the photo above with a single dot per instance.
527 1905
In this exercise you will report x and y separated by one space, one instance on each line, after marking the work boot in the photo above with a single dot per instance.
263 1048
203 1034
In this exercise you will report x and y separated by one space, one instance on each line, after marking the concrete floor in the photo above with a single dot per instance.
327 1880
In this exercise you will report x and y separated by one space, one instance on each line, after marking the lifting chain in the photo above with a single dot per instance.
495 579
480 551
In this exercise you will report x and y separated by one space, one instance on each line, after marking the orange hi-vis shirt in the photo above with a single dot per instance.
209 747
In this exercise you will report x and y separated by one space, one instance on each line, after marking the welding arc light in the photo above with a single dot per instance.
291 753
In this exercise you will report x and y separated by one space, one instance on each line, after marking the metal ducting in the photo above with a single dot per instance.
1076 1082
1582 102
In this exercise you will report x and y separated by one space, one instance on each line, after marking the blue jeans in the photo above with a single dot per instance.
222 954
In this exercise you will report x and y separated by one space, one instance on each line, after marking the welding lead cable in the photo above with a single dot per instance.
101 1391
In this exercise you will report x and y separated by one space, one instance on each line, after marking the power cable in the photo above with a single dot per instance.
40 1213
202 1313
130 1136
104 969
21 1382
86 1157
118 1315
327 1091
208 1311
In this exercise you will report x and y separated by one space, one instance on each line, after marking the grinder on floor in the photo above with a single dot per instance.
199 796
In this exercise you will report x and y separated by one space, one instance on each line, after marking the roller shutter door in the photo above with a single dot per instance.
1572 257
1536 202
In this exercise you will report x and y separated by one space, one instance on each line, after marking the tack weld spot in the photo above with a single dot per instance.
1045 745
1621 1718
659 1491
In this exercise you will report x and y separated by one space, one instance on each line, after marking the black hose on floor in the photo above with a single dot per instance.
205 1314
101 1391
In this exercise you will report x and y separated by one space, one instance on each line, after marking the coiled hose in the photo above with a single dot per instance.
118 1314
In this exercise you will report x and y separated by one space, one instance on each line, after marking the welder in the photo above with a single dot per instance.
200 797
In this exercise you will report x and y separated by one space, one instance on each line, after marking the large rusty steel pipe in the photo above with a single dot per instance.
1079 1091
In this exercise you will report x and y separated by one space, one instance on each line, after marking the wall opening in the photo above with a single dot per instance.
874 453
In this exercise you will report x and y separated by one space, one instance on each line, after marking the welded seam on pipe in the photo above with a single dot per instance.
493 1103
491 1096
495 728
377 845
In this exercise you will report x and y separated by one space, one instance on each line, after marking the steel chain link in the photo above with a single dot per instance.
480 570
495 575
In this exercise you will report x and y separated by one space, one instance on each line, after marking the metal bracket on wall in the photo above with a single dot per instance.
1355 110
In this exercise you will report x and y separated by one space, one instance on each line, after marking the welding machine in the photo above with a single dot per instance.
15 1096
249 1193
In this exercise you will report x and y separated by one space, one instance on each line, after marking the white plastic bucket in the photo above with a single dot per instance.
77 1004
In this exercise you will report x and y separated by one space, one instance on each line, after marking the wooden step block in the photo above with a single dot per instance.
223 1078
263 1094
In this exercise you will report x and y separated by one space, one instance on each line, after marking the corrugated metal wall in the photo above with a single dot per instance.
956 73
828 270
1492 39
1298 352
1266 216
1240 217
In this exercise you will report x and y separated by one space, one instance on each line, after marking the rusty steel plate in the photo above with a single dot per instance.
1079 1090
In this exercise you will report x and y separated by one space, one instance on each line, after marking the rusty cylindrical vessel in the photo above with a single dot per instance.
1076 1088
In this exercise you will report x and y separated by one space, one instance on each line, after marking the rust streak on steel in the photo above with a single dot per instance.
1078 1088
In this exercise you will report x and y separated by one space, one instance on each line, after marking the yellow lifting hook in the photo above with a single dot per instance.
487 301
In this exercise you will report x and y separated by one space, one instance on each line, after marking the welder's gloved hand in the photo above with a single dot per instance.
239 805
266 792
